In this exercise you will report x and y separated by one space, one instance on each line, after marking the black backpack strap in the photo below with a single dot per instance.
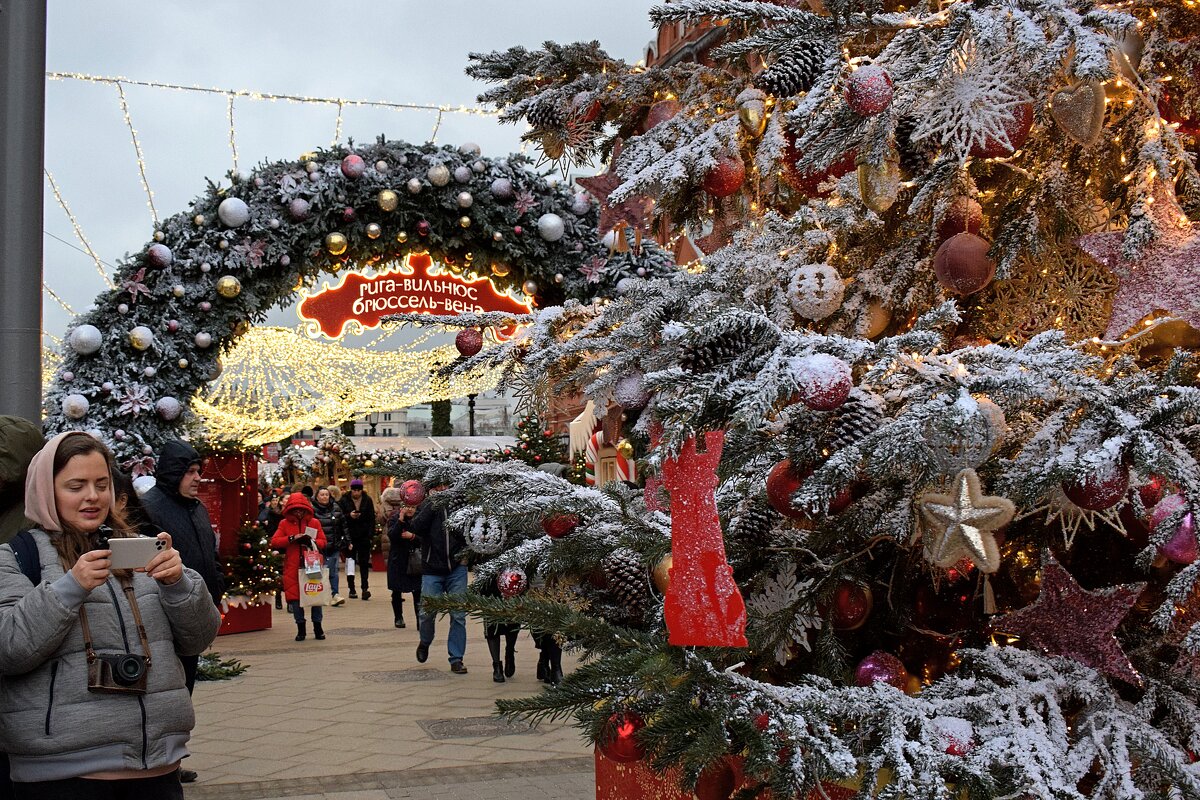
25 548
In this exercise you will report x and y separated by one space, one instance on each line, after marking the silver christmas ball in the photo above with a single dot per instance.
465 199
311 166
75 406
203 340
205 306
381 166
285 260
159 236
402 160
469 149
259 182
183 363
178 290
147 450
551 227
198 220
150 372
497 236
223 245
463 174
234 212
118 434
502 189
299 208
479 167
141 338
581 205
624 285
438 175
530 287
108 386
123 308
85 339
273 223
414 186
641 271
67 376
609 240
168 408
558 277
206 267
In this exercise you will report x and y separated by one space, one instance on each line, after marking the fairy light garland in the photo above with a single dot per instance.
137 149
62 203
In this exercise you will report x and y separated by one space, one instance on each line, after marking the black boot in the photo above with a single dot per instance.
301 630
318 631
554 674
543 663
493 643
278 599
350 581
510 655
398 609
366 593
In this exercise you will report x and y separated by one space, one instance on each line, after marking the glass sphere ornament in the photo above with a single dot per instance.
373 230
67 376
75 406
868 90
85 339
559 277
299 209
206 268
402 236
141 338
500 269
149 372
497 236
159 256
273 223
353 166
881 667
203 340
530 287
479 167
1016 130
726 178
414 186
465 199
1098 492
336 244
962 266
438 175
502 189
168 408
782 482
851 605
412 492
122 308
387 200
816 291
463 174
381 166
661 575
464 222
557 526
183 363
619 742
223 245
469 150
198 220
1181 547
234 212
423 227
229 287
469 342
512 581
823 382
551 227
159 236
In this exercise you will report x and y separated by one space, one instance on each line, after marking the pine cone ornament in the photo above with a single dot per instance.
627 579
754 525
915 157
546 115
860 415
704 356
794 71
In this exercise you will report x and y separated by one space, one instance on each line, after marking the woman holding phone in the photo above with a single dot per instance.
94 703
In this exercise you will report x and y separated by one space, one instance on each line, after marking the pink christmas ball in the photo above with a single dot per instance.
413 492
348 214
823 381
518 230
961 264
423 228
469 342
1181 548
869 90
881 667
353 166
298 209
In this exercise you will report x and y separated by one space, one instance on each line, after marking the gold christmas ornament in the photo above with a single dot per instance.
374 231
402 237
752 112
625 448
388 200
662 574
877 319
963 524
1079 111
464 222
336 244
500 269
368 463
879 185
229 287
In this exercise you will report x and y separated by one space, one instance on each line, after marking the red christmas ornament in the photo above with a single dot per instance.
348 214
824 382
1100 492
726 178
353 166
852 604
660 112
469 342
809 183
1152 491
423 227
962 266
963 215
560 525
717 781
762 721
1017 129
1188 126
511 582
590 113
703 606
881 667
620 742
1181 547
869 90
782 483
412 492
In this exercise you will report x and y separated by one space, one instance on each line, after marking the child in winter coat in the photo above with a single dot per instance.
299 530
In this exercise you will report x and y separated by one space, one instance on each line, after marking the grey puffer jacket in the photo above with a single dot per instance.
50 724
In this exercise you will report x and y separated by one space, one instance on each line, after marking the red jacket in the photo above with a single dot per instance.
297 516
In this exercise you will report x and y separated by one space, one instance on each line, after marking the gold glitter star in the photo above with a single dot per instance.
964 524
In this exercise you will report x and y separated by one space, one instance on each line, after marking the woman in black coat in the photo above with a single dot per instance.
402 543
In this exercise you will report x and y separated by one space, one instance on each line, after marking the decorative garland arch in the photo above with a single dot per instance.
133 362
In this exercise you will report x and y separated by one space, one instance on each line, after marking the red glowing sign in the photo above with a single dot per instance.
413 288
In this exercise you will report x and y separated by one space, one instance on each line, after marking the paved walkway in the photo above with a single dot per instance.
355 716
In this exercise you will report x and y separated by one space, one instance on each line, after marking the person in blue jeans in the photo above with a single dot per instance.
444 572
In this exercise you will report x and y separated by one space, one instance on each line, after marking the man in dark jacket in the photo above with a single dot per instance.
443 573
360 527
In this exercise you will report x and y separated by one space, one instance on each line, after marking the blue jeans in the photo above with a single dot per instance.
333 563
297 610
436 586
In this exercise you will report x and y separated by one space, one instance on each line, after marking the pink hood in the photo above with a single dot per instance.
39 485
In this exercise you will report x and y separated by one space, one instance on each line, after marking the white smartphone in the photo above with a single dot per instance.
135 553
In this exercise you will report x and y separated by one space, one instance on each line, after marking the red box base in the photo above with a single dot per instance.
245 619
378 562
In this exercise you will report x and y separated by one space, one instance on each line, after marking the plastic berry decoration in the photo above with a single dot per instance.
869 90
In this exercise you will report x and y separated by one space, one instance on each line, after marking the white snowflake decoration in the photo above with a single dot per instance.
783 596
486 536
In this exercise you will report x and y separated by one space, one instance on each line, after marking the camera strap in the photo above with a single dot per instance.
127 587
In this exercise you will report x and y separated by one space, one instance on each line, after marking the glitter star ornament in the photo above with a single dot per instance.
1166 277
1068 621
963 524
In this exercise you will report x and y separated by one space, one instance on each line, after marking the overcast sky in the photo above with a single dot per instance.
395 50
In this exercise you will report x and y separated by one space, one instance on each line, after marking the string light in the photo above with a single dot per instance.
57 299
137 149
232 133
79 231
277 381
337 125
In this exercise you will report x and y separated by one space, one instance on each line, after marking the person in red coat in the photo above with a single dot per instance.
299 530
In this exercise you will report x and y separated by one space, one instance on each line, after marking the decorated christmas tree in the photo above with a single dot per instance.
919 417
254 573
537 444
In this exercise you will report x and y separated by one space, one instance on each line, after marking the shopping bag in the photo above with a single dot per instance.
314 591
314 562
349 566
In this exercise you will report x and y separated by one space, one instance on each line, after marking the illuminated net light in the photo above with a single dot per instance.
277 381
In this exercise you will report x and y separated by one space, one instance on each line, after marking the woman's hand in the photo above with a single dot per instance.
92 568
167 566
407 535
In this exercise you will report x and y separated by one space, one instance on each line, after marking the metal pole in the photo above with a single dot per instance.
22 122
471 413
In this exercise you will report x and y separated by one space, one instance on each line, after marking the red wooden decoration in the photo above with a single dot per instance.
228 489
703 606
244 620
